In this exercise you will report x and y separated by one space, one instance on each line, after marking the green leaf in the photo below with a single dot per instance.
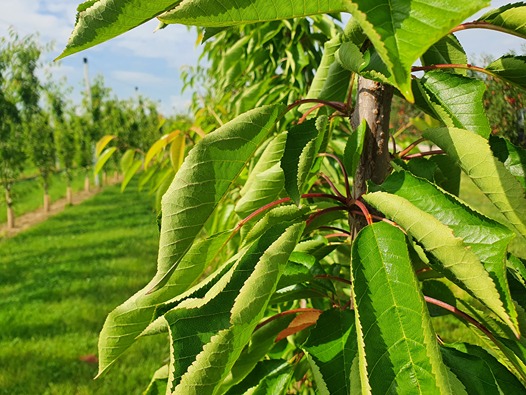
129 320
270 376
332 347
458 261
262 340
354 148
303 143
159 381
510 18
331 81
102 143
218 326
460 98
204 179
479 371
513 157
214 13
265 181
488 239
402 31
127 159
439 169
350 57
446 51
130 172
103 158
100 20
474 156
397 347
511 69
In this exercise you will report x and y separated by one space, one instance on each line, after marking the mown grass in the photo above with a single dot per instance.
28 195
59 280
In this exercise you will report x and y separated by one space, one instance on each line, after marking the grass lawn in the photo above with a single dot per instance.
59 280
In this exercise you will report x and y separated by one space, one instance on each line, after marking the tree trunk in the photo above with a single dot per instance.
10 211
373 105
47 202
86 183
69 196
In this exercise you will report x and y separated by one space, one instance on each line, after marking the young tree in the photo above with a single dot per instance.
359 249
19 95
64 137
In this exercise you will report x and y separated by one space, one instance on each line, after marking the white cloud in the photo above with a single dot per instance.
136 77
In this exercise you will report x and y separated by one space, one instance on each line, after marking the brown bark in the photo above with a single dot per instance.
47 202
10 211
69 196
373 105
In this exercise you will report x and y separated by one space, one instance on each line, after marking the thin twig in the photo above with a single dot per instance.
422 154
484 25
344 171
410 147
331 185
365 211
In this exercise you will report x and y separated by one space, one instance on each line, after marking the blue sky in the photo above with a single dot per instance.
152 61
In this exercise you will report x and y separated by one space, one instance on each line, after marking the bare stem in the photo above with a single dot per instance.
335 278
410 147
422 154
483 25
338 106
310 110
365 211
336 229
325 211
344 171
331 185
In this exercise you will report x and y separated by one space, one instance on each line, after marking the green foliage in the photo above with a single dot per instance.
256 227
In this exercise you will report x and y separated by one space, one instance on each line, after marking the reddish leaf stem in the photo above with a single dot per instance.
336 229
463 315
422 154
335 278
304 116
331 185
338 106
404 152
465 66
325 211
284 313
483 25
344 171
365 212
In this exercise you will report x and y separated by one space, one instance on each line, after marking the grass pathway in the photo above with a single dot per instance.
59 280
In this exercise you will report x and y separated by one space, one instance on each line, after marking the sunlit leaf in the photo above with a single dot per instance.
474 156
397 348
513 157
102 143
488 239
446 51
455 258
100 20
509 17
266 179
511 69
220 324
460 97
130 172
103 158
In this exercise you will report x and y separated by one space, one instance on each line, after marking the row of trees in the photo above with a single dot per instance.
42 131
